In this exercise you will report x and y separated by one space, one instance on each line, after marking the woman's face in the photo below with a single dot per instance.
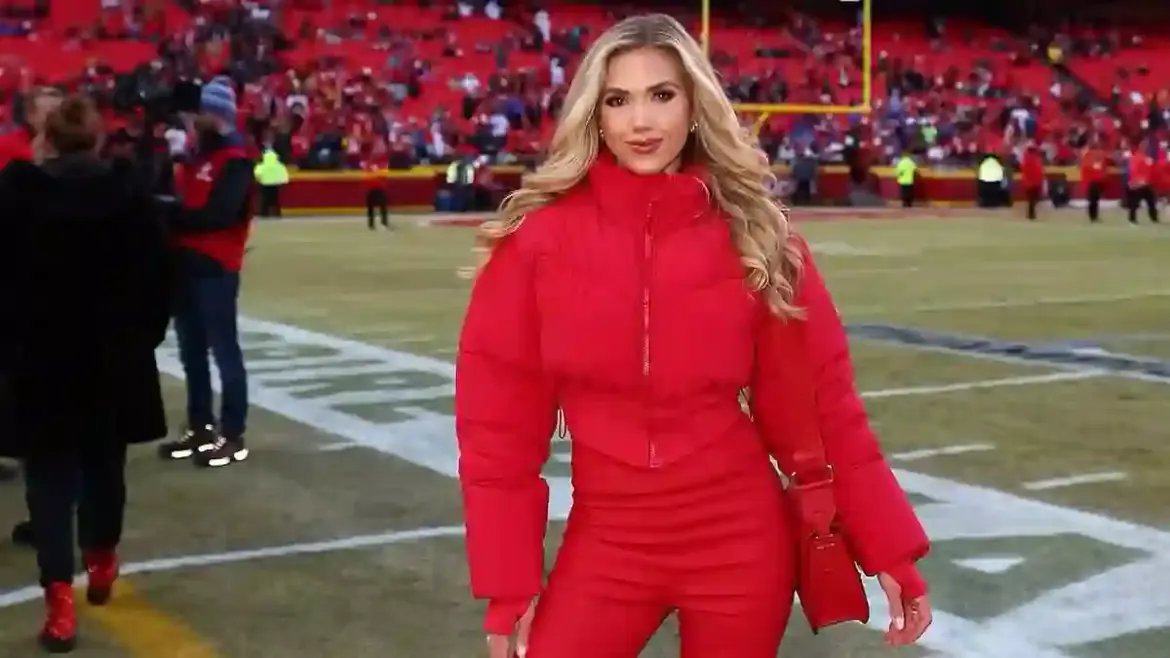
645 111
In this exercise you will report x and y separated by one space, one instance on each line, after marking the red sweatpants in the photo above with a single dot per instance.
706 537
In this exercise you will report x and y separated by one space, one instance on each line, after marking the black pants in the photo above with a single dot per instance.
989 194
1134 198
1032 196
1094 194
802 193
91 482
270 201
376 199
907 195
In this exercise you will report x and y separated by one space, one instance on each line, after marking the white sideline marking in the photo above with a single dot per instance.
1073 480
34 592
414 339
837 248
990 565
927 453
1106 605
986 383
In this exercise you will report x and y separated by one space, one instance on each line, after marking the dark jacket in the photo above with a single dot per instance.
83 279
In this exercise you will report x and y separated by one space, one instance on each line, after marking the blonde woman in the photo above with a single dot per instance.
639 281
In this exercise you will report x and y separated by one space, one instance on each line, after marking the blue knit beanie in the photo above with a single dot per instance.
218 99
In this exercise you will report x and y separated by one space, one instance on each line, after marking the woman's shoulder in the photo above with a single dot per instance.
572 205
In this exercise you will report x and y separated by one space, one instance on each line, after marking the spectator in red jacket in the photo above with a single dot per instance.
1032 178
676 505
1140 187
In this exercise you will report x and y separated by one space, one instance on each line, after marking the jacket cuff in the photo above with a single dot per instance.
502 615
910 580
883 530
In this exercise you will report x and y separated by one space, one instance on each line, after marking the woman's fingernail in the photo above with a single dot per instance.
899 623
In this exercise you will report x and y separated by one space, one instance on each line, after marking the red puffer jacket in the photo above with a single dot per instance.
624 303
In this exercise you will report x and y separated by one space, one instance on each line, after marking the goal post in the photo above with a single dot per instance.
765 110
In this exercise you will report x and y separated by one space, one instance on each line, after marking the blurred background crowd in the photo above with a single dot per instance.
334 84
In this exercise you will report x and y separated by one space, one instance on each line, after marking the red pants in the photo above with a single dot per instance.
706 537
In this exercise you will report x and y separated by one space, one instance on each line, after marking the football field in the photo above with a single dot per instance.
1018 375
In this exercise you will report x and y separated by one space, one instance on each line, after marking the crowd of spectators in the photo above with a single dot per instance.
319 109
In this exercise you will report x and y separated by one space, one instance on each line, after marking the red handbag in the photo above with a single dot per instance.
828 582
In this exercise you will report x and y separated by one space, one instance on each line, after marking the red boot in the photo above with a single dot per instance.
102 567
59 634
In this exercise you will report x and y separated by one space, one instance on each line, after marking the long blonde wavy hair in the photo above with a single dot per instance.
739 175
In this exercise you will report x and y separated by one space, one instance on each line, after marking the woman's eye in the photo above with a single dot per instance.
663 96
615 101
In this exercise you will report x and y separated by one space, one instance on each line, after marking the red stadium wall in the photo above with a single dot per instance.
344 192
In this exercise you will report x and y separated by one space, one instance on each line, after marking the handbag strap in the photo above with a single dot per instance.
811 479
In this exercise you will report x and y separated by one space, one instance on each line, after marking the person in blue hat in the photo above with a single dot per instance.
210 229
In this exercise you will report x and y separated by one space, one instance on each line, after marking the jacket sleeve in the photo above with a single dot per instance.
229 192
151 265
874 512
505 415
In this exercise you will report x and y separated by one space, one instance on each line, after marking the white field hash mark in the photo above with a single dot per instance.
1074 480
945 451
1105 605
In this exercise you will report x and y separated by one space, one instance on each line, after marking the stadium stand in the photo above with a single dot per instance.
334 82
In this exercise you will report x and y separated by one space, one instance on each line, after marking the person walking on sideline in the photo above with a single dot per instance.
85 282
377 200
1094 168
1032 178
1140 187
15 146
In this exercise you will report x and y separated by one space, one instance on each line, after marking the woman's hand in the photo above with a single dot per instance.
909 619
505 646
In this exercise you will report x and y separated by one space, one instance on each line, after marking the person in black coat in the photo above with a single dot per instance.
84 275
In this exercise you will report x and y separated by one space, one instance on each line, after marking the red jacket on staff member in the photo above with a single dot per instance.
210 231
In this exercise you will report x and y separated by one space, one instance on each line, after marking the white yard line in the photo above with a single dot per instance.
945 451
1074 480
33 593
985 383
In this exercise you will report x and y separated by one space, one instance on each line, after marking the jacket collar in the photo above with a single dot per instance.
671 199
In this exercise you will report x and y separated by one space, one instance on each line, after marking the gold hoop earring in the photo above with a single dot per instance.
694 126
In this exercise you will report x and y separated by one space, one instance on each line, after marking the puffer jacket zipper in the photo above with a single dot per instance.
647 269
